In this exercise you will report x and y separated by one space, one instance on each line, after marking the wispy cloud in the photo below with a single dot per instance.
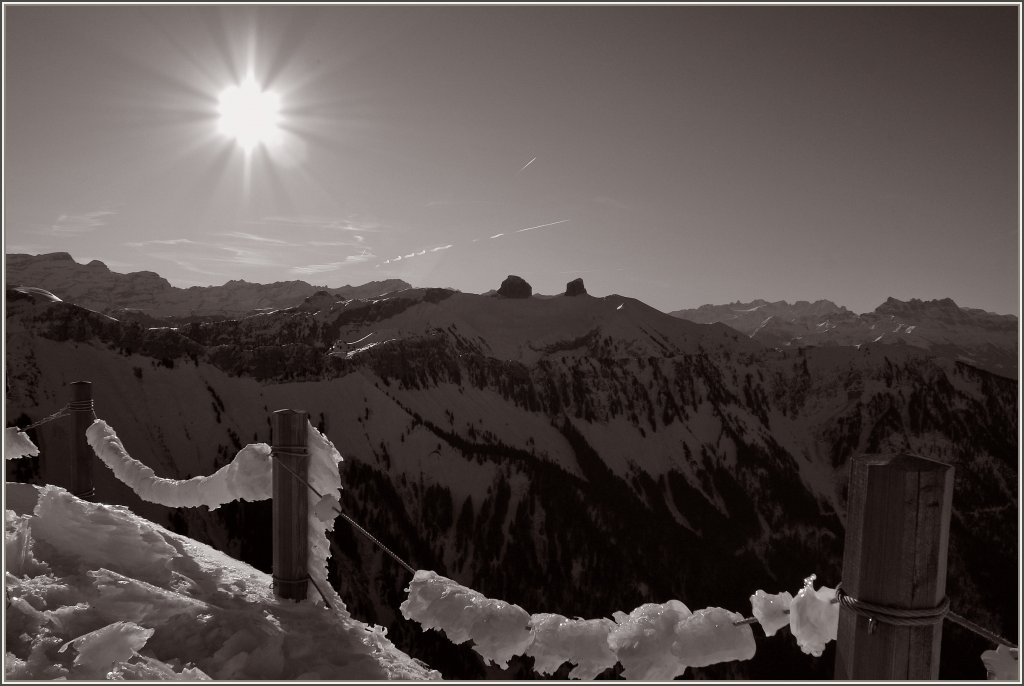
497 235
411 255
364 256
335 244
611 202
167 241
253 237
525 166
81 223
354 224
541 226
187 253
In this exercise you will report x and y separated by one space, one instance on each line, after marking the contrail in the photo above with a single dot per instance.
526 165
541 226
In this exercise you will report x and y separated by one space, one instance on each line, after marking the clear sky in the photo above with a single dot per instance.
681 155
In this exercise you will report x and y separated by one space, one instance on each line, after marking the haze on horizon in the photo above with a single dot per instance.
681 155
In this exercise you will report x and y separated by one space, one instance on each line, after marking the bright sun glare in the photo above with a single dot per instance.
249 114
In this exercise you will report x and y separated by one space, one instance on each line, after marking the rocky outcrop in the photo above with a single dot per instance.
515 287
321 300
575 287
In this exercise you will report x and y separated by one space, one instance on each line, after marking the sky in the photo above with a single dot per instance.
681 155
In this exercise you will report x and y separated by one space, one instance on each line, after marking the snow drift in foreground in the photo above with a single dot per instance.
96 592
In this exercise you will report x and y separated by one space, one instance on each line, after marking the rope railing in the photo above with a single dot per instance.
874 612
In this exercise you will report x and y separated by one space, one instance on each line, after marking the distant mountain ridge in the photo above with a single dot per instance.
983 339
148 294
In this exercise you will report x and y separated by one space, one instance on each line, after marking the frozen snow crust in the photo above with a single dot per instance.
96 592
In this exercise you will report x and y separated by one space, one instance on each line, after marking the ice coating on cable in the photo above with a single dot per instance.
499 630
1002 664
557 640
644 638
771 610
814 618
246 477
17 444
325 479
710 636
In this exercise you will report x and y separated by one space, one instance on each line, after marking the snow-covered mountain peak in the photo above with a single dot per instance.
940 326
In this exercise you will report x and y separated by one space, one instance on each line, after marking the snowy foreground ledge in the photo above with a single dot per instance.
96 592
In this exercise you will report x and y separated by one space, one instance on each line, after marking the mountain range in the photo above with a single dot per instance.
980 338
572 454
146 295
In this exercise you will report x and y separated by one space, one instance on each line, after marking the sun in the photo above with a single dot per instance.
249 114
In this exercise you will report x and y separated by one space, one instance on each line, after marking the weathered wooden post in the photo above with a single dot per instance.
897 539
290 505
81 455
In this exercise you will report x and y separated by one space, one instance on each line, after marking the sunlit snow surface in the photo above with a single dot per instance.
17 444
132 600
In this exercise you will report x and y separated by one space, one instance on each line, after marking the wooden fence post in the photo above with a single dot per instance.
897 540
290 505
81 455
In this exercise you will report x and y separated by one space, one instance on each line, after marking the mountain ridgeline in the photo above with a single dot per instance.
980 338
573 454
